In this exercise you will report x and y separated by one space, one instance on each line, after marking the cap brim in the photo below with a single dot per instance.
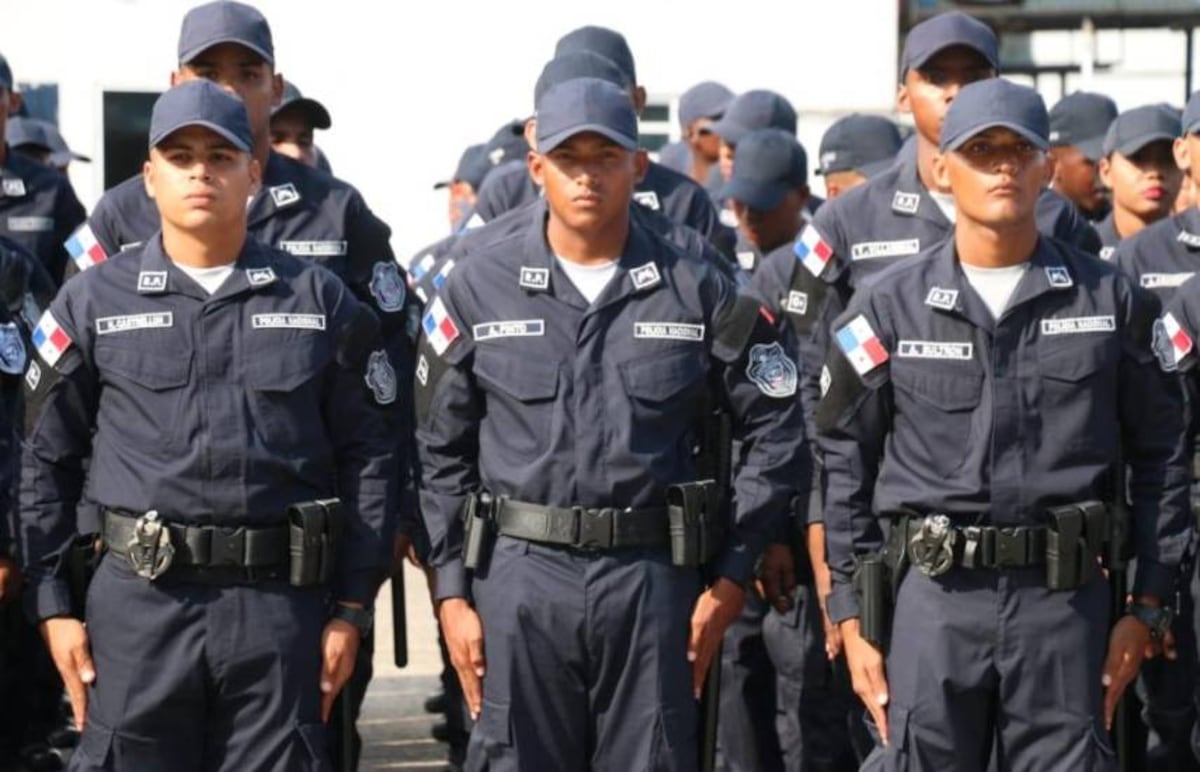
956 142
729 131
187 56
951 43
220 130
442 184
1092 148
1132 146
755 194
317 115
551 141
64 157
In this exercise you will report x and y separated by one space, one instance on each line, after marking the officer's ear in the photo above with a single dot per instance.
1104 167
276 89
638 94
1051 165
148 178
903 104
255 176
1183 158
531 133
536 163
641 163
941 171
175 78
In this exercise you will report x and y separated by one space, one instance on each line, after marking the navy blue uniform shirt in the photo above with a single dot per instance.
1162 256
38 210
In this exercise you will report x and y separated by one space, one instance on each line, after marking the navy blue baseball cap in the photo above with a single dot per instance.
1081 119
473 166
585 104
201 103
578 64
992 103
22 132
508 143
224 22
1134 129
769 163
314 112
863 143
6 77
708 99
1191 115
758 109
602 41
946 30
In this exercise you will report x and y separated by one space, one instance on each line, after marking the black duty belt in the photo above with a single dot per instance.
202 553
582 527
935 546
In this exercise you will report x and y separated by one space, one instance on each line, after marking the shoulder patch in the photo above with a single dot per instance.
439 328
50 340
84 249
387 287
1171 342
12 349
812 251
381 378
861 345
770 368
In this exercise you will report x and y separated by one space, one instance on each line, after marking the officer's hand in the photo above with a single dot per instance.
823 579
403 547
339 648
867 673
464 640
10 580
1126 646
778 576
715 611
68 643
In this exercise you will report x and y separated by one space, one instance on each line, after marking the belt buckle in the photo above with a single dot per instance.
932 547
595 528
149 550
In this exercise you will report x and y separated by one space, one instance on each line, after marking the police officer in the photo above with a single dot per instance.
1078 123
563 374
748 111
42 142
473 166
856 148
768 194
1138 166
38 207
977 401
698 152
224 392
294 121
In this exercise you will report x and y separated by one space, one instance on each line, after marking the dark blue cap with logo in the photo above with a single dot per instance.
473 166
867 144
1081 119
23 132
1191 115
758 109
1134 129
508 143
201 103
995 103
313 111
224 22
703 100
578 64
582 105
947 30
769 163
601 41
6 76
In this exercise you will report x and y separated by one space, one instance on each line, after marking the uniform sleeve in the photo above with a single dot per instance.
449 409
361 419
760 382
105 225
852 423
69 214
60 412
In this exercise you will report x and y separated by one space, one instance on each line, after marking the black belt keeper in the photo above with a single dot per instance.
692 512
314 531
1074 543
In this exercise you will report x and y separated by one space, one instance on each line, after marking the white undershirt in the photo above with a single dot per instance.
945 202
590 280
209 278
995 285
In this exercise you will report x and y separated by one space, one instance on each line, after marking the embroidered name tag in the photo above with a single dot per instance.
30 224
521 328
933 349
107 325
869 250
1158 280
288 321
314 248
1078 324
668 331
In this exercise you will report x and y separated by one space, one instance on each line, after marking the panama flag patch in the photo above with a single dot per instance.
84 249
812 251
439 328
50 340
861 345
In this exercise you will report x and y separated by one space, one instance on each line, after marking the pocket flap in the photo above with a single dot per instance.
523 379
155 371
947 391
660 379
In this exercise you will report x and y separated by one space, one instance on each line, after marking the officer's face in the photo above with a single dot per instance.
1075 176
996 178
461 201
242 72
725 159
1187 158
770 228
291 135
199 180
588 180
703 141
837 183
1145 183
1186 198
928 92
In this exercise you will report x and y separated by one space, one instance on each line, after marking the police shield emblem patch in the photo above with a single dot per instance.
771 370
381 378
12 349
387 287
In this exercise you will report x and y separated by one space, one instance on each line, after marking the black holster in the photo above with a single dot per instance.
1075 542
695 520
314 535
479 531
873 586
81 560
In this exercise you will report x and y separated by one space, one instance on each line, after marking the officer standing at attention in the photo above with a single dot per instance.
1078 123
979 399
1138 165
855 149
559 384
38 207
225 394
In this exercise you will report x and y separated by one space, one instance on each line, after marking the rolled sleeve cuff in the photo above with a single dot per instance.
842 603
450 581
737 564
1155 579
47 599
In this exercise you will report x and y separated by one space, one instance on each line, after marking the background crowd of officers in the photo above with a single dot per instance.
984 328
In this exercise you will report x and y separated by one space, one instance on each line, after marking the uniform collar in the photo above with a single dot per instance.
282 188
910 197
14 174
158 274
1188 224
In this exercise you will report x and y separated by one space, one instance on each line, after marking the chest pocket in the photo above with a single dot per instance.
1075 397
145 394
936 408
662 392
521 409
285 390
